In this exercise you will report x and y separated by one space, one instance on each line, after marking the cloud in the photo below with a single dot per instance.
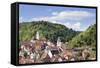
66 18
21 19
65 15
54 13
76 26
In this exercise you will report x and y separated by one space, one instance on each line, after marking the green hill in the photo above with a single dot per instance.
47 30
86 38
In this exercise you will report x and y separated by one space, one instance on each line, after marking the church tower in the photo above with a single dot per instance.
37 35
58 42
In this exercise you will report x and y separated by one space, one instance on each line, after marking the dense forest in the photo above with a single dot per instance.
86 38
51 31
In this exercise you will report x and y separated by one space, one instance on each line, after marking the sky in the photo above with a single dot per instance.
78 19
